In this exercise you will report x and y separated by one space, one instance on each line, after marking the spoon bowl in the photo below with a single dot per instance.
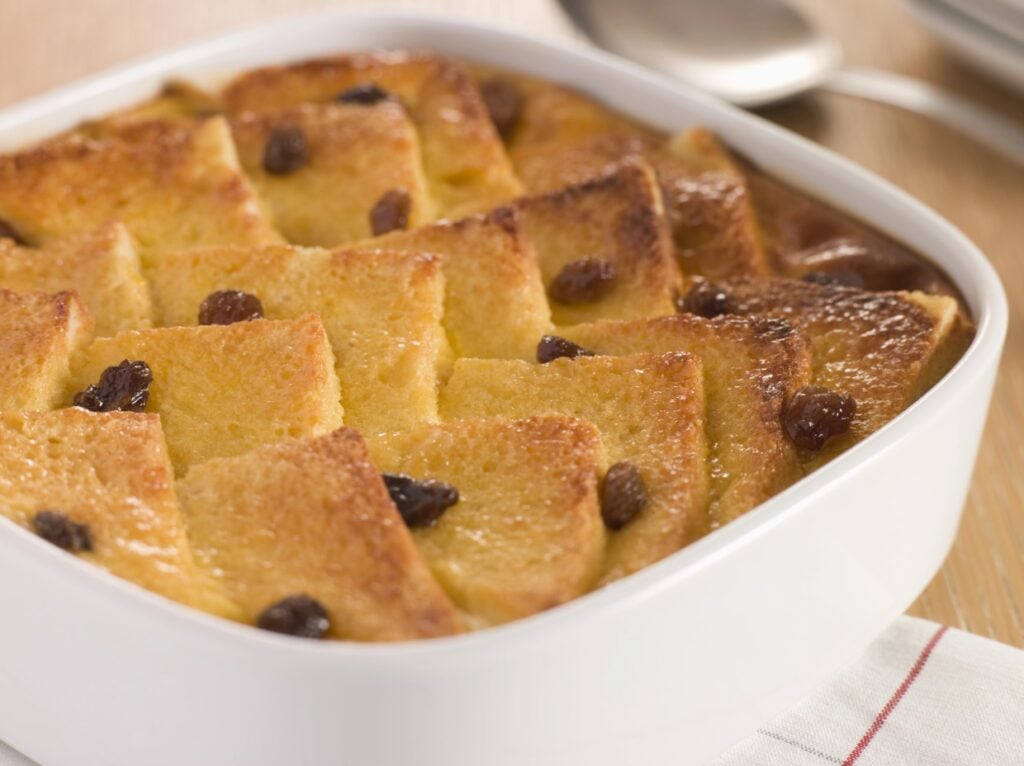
749 52
757 52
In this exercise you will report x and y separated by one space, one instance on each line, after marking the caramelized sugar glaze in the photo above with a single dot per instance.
386 346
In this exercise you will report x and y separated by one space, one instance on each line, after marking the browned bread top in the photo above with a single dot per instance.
617 219
465 164
884 349
751 366
494 304
110 472
312 517
563 137
224 389
174 184
39 334
100 264
526 533
650 412
354 156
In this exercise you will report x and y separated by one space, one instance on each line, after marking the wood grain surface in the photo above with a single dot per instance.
46 43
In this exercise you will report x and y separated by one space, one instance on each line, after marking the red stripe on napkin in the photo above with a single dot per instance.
894 700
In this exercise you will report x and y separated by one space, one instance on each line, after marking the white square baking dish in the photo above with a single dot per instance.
670 665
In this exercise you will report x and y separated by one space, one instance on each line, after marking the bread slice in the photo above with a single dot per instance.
494 304
750 368
714 221
619 219
101 265
563 137
526 534
224 389
109 471
312 517
465 163
650 412
39 333
356 155
381 309
883 349
174 184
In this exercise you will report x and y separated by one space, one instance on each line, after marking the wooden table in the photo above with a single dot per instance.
46 43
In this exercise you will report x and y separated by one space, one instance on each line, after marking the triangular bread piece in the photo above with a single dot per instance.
110 472
100 265
312 517
224 389
355 156
750 368
562 137
174 184
494 304
884 349
39 334
617 219
650 412
381 309
526 533
465 163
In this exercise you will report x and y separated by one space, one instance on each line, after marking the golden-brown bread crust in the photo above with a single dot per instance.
563 137
174 184
357 154
526 534
381 308
39 334
882 348
617 218
716 228
464 160
650 412
222 390
312 516
751 366
109 471
101 265
495 306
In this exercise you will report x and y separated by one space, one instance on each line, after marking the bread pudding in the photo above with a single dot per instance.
386 346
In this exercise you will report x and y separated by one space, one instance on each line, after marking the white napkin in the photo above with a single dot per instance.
921 694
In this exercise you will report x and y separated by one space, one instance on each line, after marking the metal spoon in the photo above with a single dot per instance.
756 52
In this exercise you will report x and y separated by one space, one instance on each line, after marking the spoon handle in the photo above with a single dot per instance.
977 122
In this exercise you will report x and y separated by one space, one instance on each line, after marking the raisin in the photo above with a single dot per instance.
504 103
229 306
705 299
582 281
421 502
124 387
299 615
6 230
553 347
623 495
813 415
55 527
391 212
366 94
286 150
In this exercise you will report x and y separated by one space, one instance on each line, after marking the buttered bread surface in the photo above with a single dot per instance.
385 346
